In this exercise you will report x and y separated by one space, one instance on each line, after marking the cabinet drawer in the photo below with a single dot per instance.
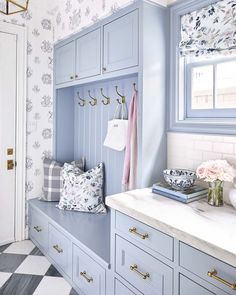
39 228
143 271
146 235
88 275
121 289
60 250
201 264
188 287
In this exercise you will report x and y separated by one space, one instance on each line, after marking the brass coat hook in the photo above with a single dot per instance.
107 99
92 102
81 100
134 85
122 96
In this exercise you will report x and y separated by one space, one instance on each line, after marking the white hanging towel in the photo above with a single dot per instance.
117 132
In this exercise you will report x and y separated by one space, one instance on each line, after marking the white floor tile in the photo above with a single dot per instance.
24 247
35 265
52 285
4 276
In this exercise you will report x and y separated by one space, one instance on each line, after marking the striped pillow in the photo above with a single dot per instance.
52 178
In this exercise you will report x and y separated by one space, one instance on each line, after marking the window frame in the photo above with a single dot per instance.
178 121
206 113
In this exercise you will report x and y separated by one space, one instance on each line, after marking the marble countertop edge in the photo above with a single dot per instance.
223 252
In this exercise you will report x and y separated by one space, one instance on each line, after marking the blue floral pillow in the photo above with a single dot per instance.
82 192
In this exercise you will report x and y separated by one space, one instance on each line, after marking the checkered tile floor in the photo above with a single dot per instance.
24 270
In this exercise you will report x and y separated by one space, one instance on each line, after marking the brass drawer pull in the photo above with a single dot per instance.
213 274
84 275
133 230
37 228
134 268
56 247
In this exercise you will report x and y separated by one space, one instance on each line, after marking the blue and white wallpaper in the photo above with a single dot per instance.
46 22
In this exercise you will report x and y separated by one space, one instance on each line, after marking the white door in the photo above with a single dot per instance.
8 80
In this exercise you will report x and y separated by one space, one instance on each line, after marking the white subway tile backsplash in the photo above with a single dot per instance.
223 147
190 150
203 145
206 156
230 139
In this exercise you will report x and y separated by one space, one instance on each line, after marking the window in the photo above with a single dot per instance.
203 67
211 88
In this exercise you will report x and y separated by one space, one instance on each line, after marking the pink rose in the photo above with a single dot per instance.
201 172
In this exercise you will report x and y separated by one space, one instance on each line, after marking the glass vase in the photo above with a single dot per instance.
215 193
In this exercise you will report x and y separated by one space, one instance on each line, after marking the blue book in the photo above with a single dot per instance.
174 197
192 192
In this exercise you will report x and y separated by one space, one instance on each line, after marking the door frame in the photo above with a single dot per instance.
20 143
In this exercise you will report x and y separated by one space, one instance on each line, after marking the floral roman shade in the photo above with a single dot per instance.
210 30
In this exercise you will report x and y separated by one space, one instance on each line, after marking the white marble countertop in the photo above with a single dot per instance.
209 229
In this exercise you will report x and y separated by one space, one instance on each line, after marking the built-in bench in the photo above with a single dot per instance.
77 244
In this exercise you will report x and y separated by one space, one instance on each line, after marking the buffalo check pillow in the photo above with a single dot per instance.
52 178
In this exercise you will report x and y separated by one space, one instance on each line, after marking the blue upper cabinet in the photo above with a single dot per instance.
88 55
121 46
65 63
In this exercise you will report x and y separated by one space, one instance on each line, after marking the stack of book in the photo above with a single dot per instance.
192 194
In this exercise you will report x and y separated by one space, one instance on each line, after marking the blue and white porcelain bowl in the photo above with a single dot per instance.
180 179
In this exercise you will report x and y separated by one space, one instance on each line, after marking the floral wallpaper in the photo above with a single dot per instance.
40 28
46 22
70 16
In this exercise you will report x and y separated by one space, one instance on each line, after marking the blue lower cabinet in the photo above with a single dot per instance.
143 271
121 289
38 227
208 268
88 275
188 287
60 250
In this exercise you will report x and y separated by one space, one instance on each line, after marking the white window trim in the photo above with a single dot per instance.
20 32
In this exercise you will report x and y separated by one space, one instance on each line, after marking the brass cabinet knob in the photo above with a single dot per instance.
58 249
213 274
85 276
71 77
133 230
37 229
76 76
134 268
104 69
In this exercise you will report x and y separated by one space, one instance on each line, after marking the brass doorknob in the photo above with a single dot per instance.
10 165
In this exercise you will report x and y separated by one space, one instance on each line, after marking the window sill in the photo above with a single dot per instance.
200 125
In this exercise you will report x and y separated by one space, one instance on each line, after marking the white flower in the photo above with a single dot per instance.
211 171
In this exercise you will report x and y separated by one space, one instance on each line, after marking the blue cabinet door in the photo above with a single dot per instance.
121 43
88 55
188 287
65 63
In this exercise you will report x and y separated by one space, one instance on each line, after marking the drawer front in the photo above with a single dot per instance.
188 287
39 228
121 289
143 271
146 235
88 275
204 265
60 250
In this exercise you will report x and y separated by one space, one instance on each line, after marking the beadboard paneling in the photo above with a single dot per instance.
91 128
